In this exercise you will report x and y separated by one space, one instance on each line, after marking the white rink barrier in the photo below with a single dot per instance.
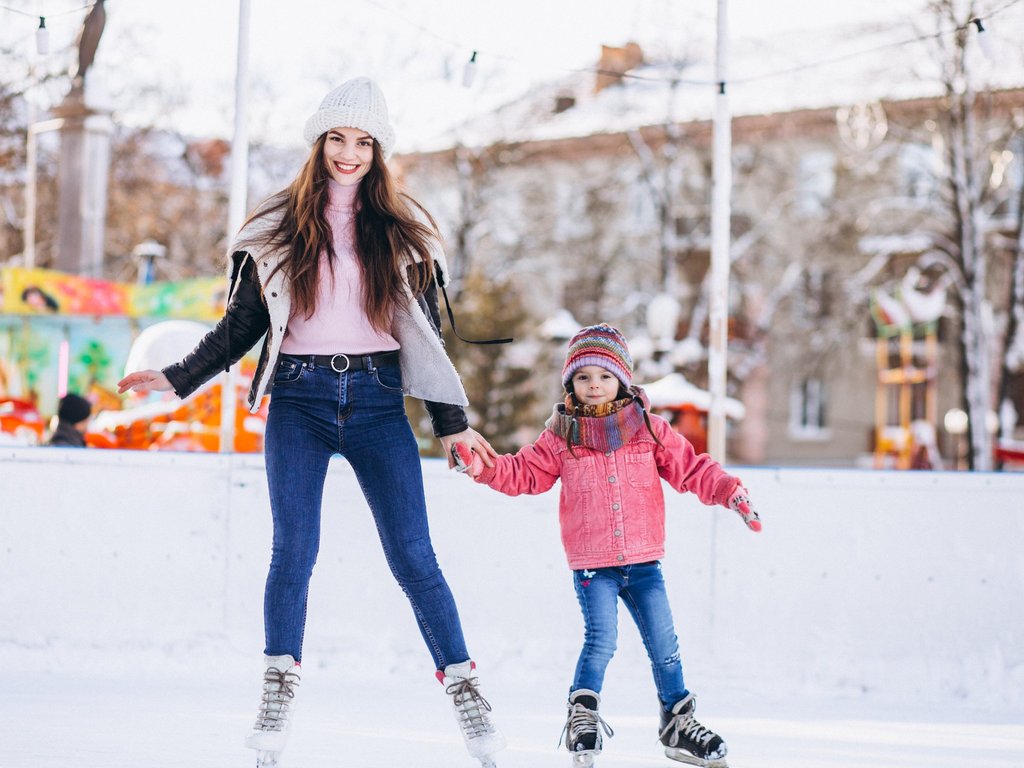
907 585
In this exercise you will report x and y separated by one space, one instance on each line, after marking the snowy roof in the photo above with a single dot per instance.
561 325
674 391
843 67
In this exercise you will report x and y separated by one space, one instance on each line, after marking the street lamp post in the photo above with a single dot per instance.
146 255
721 188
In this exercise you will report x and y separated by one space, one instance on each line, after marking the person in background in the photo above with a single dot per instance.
611 456
72 422
339 274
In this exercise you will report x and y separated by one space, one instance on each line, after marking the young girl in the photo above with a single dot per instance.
610 454
337 273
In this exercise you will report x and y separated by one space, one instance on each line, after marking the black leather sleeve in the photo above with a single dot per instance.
445 418
245 321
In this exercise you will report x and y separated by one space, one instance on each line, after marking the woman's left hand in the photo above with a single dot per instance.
476 443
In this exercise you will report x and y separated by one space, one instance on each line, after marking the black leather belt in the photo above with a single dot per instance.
340 363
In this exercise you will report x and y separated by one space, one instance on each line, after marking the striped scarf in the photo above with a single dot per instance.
605 427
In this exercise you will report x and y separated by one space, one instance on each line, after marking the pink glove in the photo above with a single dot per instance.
740 502
466 461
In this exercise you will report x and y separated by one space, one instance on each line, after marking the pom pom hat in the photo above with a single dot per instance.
356 103
598 345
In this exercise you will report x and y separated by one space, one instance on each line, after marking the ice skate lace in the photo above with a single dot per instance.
471 707
686 725
278 690
581 722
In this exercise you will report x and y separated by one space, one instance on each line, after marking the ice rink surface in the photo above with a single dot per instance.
198 718
875 623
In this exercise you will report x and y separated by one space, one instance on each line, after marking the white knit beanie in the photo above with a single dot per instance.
356 103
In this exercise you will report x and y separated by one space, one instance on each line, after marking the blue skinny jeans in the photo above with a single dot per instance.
642 589
316 413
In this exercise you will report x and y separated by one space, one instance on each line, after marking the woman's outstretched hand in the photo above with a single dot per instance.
144 381
472 440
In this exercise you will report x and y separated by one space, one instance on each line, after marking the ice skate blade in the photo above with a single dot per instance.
682 756
267 759
583 759
487 762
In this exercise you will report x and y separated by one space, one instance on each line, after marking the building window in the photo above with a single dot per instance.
816 181
1006 179
807 406
919 172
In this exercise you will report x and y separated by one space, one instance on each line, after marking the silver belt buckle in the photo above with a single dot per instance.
335 368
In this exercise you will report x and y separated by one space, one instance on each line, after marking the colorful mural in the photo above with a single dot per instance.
62 333
46 292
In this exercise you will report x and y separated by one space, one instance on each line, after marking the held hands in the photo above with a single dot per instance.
468 442
740 502
144 381
466 461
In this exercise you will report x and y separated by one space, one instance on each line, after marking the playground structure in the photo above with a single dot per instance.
190 425
906 356
906 410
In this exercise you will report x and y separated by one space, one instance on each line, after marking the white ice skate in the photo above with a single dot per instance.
472 712
277 702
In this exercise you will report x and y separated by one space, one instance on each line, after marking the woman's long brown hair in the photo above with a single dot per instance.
386 235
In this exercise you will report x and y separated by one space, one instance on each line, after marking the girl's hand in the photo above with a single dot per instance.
466 461
740 502
144 381
472 440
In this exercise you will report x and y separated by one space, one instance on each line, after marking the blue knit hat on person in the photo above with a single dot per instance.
600 345
356 103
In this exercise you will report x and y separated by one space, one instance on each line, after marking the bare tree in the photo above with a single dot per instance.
964 249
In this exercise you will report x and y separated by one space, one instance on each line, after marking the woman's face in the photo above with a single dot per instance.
348 154
594 385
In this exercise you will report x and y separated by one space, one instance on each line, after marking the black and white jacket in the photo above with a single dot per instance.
259 305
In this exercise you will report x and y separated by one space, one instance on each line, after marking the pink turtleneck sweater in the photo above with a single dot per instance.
339 323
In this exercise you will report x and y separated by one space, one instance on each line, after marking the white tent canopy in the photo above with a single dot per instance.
674 390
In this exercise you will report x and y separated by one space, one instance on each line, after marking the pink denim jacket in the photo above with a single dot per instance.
612 509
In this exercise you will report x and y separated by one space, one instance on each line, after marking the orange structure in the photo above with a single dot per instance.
189 425
21 419
906 358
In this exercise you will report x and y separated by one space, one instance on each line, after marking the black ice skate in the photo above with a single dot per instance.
688 741
583 727
270 732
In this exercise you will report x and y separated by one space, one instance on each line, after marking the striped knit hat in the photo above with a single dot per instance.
598 345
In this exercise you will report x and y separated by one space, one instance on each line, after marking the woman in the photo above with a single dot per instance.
339 272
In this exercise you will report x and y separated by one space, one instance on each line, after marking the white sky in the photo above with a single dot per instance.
416 49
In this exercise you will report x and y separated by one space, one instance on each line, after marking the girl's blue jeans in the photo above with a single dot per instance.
314 414
642 589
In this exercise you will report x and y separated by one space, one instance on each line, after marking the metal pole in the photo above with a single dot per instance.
721 187
29 249
31 183
237 204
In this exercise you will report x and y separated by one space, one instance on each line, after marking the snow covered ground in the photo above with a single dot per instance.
875 622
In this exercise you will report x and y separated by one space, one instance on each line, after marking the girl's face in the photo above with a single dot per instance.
594 385
348 154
